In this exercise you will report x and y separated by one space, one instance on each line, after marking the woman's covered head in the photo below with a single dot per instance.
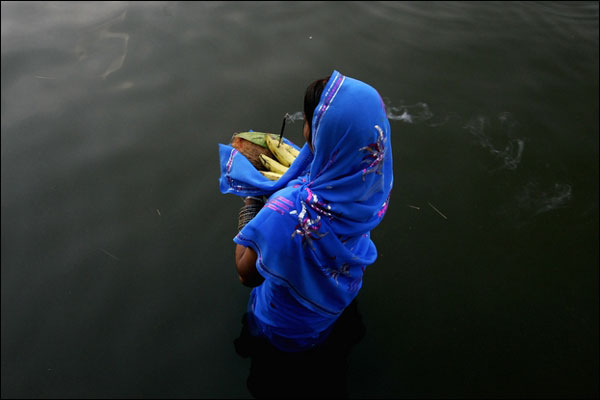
345 115
351 168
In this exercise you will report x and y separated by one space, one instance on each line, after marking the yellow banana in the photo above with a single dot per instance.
271 175
291 150
280 151
272 165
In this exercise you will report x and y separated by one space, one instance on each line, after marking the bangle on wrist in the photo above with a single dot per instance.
247 212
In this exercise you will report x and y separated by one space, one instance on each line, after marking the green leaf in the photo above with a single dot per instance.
254 137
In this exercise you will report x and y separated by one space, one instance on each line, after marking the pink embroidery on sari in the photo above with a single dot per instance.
375 154
307 228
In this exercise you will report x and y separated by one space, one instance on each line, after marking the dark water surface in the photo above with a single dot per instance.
117 255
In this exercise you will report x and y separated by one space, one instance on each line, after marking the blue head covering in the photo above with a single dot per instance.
313 235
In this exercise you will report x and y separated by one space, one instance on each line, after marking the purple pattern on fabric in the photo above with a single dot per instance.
318 205
384 206
230 161
335 273
279 204
376 152
354 285
284 200
329 96
230 180
344 270
272 207
307 228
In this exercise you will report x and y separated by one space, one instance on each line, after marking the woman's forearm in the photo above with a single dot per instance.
245 257
245 262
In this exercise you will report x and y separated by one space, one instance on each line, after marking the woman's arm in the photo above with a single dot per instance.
245 257
245 262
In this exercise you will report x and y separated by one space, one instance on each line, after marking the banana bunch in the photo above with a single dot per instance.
285 155
264 151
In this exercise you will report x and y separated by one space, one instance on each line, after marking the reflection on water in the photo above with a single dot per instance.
94 43
320 372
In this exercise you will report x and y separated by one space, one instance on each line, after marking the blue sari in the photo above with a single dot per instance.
312 237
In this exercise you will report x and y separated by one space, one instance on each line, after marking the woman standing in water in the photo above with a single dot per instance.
306 250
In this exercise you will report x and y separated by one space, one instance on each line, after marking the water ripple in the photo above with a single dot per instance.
498 138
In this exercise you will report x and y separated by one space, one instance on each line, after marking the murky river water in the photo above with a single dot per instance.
117 255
